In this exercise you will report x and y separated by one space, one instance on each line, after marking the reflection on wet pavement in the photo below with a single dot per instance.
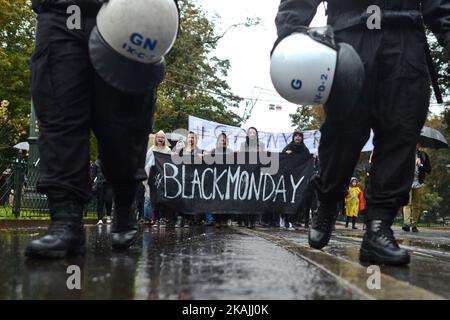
429 269
197 263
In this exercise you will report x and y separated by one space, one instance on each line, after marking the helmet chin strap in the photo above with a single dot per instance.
324 35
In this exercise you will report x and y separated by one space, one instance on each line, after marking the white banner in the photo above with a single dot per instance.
208 131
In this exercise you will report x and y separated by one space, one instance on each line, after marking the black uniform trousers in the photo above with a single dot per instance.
394 103
70 99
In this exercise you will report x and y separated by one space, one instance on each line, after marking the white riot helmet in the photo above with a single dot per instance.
309 68
129 38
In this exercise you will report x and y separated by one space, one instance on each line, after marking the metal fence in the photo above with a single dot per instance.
18 195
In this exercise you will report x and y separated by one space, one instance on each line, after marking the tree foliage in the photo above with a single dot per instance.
308 117
16 46
195 82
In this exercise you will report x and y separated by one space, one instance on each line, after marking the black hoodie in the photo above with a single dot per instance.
296 148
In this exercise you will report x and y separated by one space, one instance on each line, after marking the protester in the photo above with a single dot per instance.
188 149
220 153
251 144
309 204
104 192
411 212
148 210
295 147
354 202
191 147
394 103
161 145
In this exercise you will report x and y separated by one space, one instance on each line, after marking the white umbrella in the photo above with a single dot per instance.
22 146
432 138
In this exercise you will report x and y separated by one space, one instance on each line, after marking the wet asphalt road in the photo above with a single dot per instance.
209 263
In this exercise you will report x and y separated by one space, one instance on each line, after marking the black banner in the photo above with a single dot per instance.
231 187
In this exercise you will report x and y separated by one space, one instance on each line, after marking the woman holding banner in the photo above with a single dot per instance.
251 144
190 149
161 145
220 153
297 146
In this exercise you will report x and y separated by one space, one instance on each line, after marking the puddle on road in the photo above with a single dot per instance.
429 273
197 263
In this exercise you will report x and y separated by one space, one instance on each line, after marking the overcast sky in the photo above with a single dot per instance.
248 50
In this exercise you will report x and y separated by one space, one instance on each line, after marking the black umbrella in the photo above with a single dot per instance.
432 138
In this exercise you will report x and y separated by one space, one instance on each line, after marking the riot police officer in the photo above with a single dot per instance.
394 103
70 99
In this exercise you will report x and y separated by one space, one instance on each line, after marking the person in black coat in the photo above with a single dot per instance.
220 153
298 147
252 144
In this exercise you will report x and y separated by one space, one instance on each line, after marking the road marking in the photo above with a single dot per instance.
349 273
423 254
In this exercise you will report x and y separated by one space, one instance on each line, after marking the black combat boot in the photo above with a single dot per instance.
125 227
65 235
380 247
322 225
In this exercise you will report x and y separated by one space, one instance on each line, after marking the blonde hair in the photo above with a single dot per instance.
166 142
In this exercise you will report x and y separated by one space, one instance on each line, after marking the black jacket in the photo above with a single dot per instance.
426 165
347 13
300 148
88 7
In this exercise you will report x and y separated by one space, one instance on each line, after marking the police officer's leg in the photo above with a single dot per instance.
122 123
400 113
61 87
342 140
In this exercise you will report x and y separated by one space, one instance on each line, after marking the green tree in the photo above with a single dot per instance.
441 61
308 117
438 181
16 45
194 83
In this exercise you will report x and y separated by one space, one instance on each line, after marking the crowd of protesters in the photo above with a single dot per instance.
160 215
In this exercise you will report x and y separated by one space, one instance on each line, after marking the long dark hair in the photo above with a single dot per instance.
218 138
247 138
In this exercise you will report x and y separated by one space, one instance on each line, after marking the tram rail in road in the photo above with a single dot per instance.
349 273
